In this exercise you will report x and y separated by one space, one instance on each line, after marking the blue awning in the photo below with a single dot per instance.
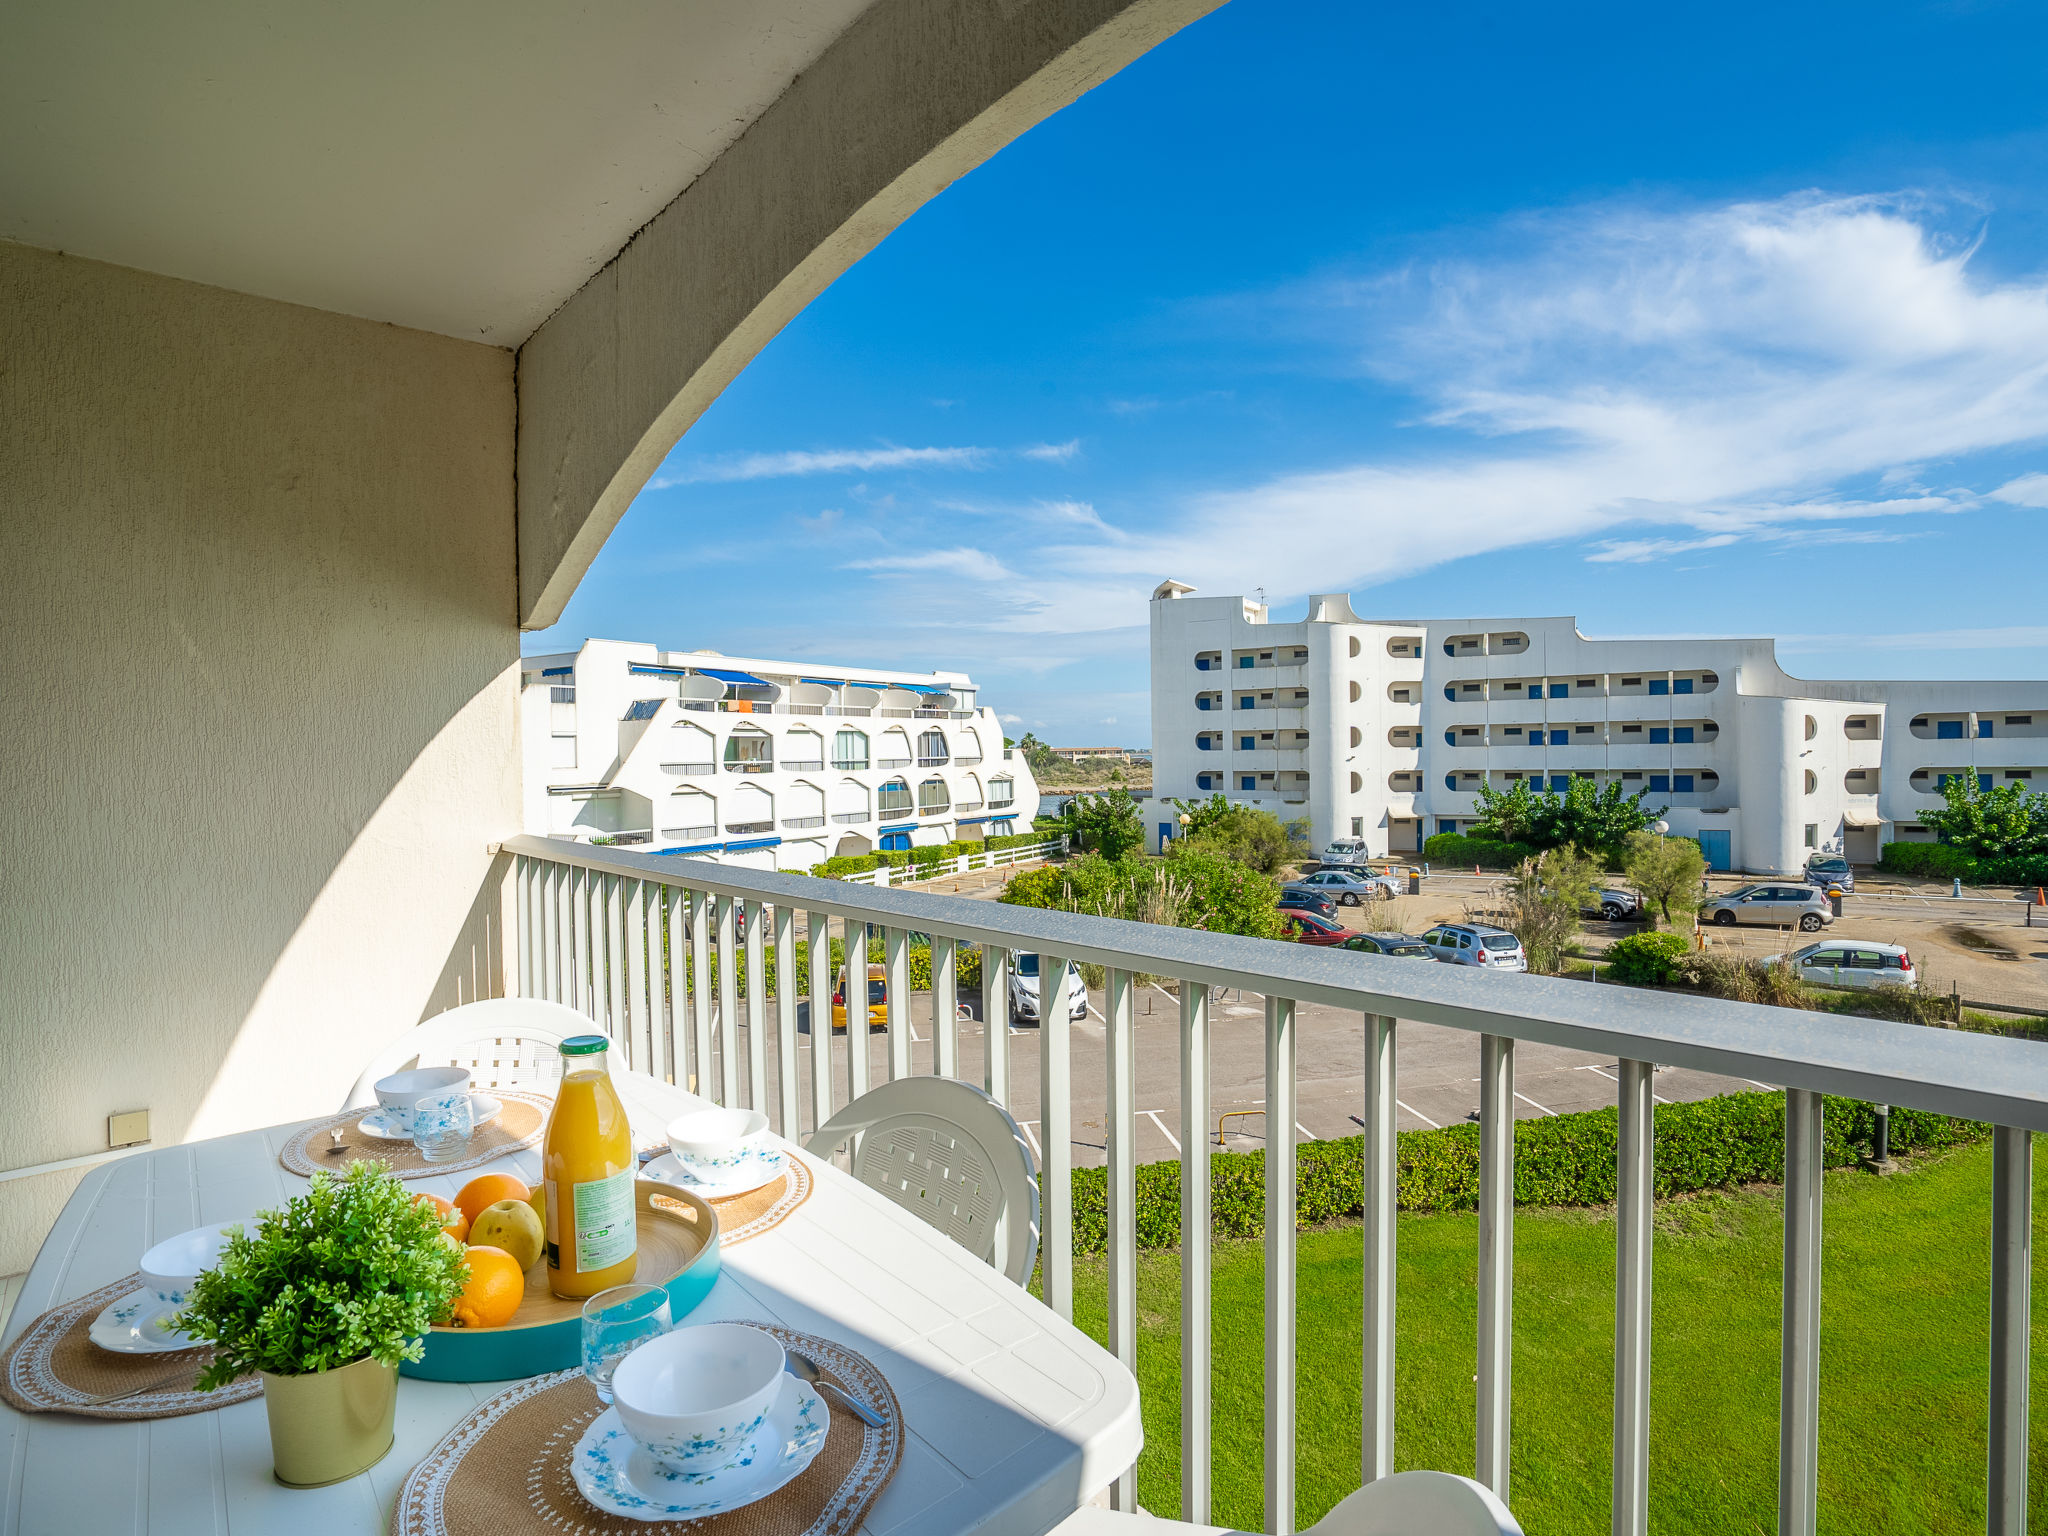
901 826
752 842
693 848
972 821
927 689
649 669
556 671
741 679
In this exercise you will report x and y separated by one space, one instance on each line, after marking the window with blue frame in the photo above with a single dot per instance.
1446 825
1247 701
1559 781
895 842
1948 730
1451 691
1560 690
1244 661
1660 736
1660 783
1681 783
1560 738
1681 734
1205 781
1246 743
1204 744
1681 685
1983 727
1660 685
1984 781
1450 781
1248 781
1202 701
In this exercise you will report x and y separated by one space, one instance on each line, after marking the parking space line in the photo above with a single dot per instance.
1533 1104
1153 1116
1418 1114
1032 1136
1655 1096
1311 1135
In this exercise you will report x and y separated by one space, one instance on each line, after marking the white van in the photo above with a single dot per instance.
1345 853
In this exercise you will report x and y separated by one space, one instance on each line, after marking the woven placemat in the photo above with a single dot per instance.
520 1124
506 1466
54 1367
761 1210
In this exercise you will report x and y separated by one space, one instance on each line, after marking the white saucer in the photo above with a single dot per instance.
745 1179
615 1472
372 1125
128 1327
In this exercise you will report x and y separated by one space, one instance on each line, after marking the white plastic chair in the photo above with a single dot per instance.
1406 1504
948 1152
506 1042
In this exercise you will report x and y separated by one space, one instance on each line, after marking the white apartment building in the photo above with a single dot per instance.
1386 729
766 764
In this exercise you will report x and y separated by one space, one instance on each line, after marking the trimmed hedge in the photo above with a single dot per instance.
1941 861
1456 848
1738 1138
906 858
1644 959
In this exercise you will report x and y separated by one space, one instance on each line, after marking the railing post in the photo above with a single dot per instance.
757 1007
522 904
638 1036
728 1009
1122 1114
818 925
788 1113
856 1009
1280 1277
945 1008
615 963
1799 1336
1382 1194
2012 1257
576 938
1195 1454
1496 1258
1636 1185
896 956
995 1023
678 994
552 912
701 985
1055 1111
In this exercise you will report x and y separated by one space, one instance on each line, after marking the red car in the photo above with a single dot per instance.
1307 928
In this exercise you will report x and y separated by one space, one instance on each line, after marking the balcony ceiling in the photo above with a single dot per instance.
454 166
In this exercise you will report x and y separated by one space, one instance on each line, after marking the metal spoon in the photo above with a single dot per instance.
804 1368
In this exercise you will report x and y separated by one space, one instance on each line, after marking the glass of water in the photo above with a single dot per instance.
441 1125
617 1322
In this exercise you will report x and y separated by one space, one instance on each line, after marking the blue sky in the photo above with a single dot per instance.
1682 320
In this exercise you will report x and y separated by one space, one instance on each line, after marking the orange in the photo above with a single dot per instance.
456 1225
493 1291
488 1189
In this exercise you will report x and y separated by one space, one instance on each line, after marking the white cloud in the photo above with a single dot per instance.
2027 491
1729 372
969 564
1009 719
1054 453
2007 637
770 466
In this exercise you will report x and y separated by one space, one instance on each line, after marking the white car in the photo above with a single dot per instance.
1346 887
1853 963
1345 853
1024 991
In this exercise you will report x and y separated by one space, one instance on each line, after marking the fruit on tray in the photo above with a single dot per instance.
496 1286
512 1226
453 1222
488 1189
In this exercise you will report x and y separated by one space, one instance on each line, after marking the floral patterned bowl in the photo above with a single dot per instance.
694 1397
398 1093
169 1268
711 1145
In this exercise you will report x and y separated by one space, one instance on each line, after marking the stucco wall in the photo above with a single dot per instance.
262 660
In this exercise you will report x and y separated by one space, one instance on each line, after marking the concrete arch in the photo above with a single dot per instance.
911 97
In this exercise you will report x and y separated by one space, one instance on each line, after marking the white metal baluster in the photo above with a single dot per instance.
757 1008
575 930
551 946
639 1036
1799 1336
1055 1117
945 1009
995 1022
728 1007
522 905
856 1009
896 957
1382 1194
1122 1107
701 986
1635 1188
1496 1257
2012 1261
1280 1277
615 959
786 987
1194 1253
678 993
819 927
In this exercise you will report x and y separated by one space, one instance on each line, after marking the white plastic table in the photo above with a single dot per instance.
1013 1418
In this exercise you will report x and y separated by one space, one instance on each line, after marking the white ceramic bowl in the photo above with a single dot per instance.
169 1268
397 1093
714 1144
696 1396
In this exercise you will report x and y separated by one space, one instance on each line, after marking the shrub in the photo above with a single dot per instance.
1568 1159
1741 981
1456 848
1930 861
1645 959
1543 903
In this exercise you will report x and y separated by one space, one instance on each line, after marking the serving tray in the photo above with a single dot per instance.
678 1251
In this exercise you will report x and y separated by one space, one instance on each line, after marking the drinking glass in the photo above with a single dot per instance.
617 1322
441 1125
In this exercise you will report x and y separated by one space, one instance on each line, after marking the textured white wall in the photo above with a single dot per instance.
262 657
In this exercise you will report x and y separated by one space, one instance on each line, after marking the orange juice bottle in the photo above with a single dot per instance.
588 1168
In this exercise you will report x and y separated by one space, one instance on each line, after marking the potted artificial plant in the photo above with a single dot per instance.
325 1298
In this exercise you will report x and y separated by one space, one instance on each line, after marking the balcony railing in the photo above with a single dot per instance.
966 761
749 826
850 763
750 767
967 805
802 821
604 930
849 818
803 765
892 762
933 762
689 770
689 834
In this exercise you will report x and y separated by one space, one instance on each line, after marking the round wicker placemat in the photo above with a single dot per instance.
506 1466
520 1124
54 1367
762 1210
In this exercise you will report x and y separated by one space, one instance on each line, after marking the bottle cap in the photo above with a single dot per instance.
585 1045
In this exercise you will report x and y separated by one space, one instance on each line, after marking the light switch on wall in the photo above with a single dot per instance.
128 1130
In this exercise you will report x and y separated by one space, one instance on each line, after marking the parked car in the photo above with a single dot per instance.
1616 906
1388 944
1307 928
1853 963
1292 900
1831 869
1476 944
1771 905
878 1000
1024 991
1344 853
1348 887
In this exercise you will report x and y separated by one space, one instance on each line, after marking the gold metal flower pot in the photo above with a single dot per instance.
330 1425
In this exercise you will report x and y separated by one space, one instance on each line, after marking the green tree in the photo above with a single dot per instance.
1544 899
1244 833
1667 870
1106 823
1195 889
1037 754
1598 820
2004 822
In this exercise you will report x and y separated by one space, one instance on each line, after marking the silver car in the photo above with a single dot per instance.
1831 869
1024 991
1771 906
1476 944
1345 886
1345 853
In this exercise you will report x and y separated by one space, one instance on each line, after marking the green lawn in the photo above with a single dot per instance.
1905 1306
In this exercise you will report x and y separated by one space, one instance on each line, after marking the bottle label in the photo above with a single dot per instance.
605 1230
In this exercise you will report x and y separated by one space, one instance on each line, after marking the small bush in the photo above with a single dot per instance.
1741 981
1645 959
1903 1005
1456 848
1928 861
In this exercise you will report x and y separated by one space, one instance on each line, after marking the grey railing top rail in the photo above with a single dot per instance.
1980 1077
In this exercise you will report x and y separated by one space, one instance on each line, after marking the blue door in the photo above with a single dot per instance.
1715 845
895 842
